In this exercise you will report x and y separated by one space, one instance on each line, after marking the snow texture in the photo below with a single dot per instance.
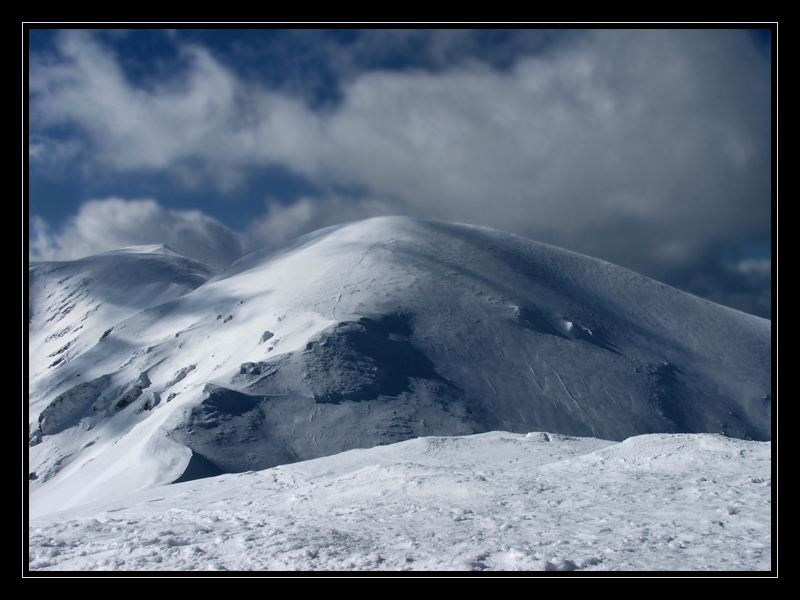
489 502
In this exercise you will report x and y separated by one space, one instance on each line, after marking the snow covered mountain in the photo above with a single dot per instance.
70 303
146 370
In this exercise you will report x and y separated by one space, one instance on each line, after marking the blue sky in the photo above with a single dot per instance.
647 148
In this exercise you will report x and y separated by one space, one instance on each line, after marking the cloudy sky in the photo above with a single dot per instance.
650 149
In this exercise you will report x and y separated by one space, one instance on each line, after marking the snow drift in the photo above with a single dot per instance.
496 501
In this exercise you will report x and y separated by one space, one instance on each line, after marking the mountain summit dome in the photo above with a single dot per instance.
371 333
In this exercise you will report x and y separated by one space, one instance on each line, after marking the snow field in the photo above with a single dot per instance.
491 502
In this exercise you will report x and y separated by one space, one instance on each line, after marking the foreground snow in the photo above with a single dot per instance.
496 501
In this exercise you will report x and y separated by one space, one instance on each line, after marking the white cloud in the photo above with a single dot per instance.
756 273
754 267
640 147
283 222
112 223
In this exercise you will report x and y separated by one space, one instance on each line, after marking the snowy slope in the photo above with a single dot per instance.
71 304
373 333
490 502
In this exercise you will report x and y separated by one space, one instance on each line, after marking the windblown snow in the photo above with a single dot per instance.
151 378
488 502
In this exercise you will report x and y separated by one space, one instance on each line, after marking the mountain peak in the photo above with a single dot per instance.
145 249
370 333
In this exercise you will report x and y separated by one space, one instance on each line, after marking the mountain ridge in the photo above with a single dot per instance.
385 330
